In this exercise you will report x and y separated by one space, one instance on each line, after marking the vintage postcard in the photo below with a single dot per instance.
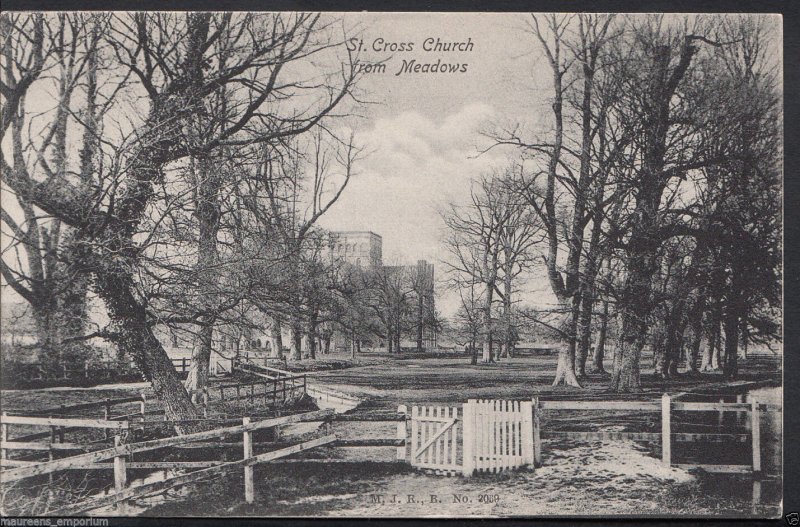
283 264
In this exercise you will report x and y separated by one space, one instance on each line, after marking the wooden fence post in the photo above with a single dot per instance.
756 495
755 427
3 436
537 440
468 437
401 430
249 492
86 369
142 409
666 452
527 433
106 415
50 457
120 475
740 416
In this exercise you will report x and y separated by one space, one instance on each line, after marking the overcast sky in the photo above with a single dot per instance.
422 133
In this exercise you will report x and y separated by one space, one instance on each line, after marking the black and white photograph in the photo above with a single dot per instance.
391 265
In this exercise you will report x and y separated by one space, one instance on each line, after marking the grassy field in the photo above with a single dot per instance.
622 477
417 380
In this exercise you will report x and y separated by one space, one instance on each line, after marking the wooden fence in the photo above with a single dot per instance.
218 365
435 433
666 407
270 391
58 431
94 453
72 371
488 436
122 450
495 436
285 380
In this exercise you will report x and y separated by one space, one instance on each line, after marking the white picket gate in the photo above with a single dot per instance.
435 438
490 436
498 435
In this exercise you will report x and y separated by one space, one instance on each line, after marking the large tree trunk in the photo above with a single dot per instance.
732 319
44 319
600 345
696 329
584 331
473 343
312 335
694 350
658 339
510 336
643 244
565 368
708 351
326 342
676 326
296 344
137 340
197 380
420 318
276 338
633 332
487 324
72 301
208 213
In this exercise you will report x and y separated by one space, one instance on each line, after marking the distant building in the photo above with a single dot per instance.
365 249
361 248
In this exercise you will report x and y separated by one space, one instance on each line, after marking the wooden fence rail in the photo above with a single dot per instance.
127 449
121 451
139 491
498 435
86 406
666 406
275 390
55 421
59 412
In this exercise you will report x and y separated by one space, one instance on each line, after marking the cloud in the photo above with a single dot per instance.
415 166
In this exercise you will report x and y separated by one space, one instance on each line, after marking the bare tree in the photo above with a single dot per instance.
170 66
488 240
43 269
590 158
659 60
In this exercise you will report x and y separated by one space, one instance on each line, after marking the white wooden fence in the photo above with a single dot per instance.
491 436
498 435
435 434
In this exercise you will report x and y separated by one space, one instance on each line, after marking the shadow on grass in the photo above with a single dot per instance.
281 489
